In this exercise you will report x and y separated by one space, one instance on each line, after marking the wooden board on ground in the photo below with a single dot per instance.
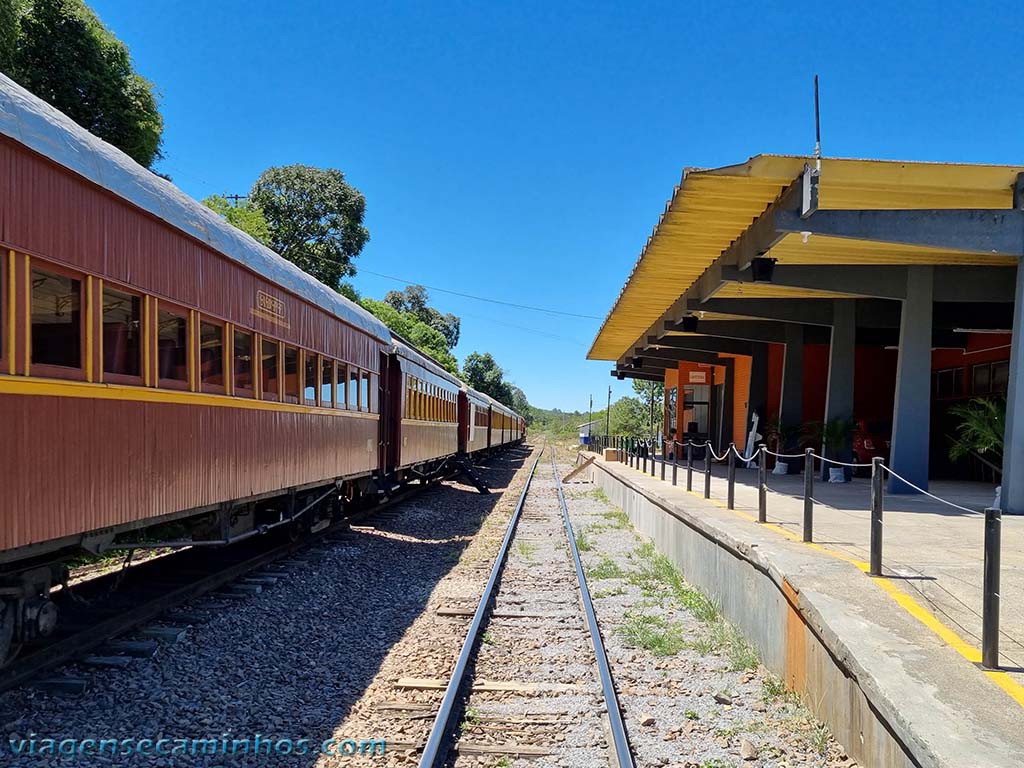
580 468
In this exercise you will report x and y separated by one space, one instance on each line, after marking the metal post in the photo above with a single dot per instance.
990 591
877 497
762 484
730 497
663 461
809 494
675 461
645 457
689 465
654 455
707 471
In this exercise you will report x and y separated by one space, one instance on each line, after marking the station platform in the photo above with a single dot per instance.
908 643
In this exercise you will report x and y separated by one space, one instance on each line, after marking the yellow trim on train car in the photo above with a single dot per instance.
126 392
88 327
12 313
28 315
99 337
144 330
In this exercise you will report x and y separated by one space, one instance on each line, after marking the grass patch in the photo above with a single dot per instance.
691 715
617 519
820 738
605 569
583 541
487 638
772 688
600 495
613 592
527 550
652 633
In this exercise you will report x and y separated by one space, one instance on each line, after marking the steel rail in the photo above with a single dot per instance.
620 739
435 752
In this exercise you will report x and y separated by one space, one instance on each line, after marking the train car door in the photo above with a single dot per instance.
464 416
490 423
391 395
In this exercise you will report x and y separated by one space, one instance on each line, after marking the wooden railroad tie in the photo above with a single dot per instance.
486 686
580 468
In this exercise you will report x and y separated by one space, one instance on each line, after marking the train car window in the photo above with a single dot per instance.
211 356
309 386
242 356
171 346
353 388
343 398
291 374
122 333
327 382
374 393
364 391
56 320
269 367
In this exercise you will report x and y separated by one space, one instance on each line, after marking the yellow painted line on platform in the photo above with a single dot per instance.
1003 679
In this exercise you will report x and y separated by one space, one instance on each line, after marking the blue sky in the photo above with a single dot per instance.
523 151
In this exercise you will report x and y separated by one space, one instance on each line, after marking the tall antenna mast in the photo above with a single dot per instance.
817 127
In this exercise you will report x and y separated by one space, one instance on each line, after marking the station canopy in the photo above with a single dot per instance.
712 208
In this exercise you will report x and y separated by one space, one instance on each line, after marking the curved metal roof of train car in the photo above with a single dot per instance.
404 349
710 209
30 121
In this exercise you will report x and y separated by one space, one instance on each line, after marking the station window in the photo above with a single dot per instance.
269 366
56 320
364 391
171 346
990 378
327 382
309 378
242 357
211 356
981 376
291 374
122 333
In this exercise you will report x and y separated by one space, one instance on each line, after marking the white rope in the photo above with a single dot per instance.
785 455
741 457
714 455
840 463
930 495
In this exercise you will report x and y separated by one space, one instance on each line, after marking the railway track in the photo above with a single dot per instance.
534 622
97 611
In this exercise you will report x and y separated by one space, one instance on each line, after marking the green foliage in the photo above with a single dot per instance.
583 540
630 417
482 372
651 393
606 569
245 216
414 301
981 429
418 333
834 435
314 217
62 52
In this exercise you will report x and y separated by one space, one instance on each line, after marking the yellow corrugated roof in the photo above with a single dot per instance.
711 208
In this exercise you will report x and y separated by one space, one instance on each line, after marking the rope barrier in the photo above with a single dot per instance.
930 495
785 455
741 457
714 455
839 463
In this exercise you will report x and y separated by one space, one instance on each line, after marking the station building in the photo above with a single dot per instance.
800 291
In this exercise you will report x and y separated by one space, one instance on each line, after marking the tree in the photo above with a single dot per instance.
483 373
629 417
414 299
521 405
418 333
652 393
314 218
246 216
64 54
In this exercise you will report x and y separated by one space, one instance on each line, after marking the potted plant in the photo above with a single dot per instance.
779 438
980 434
835 437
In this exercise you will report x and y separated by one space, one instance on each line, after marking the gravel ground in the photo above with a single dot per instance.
298 661
692 690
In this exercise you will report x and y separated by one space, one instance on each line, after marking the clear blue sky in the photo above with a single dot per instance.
523 151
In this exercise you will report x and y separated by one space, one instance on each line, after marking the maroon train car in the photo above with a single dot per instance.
156 365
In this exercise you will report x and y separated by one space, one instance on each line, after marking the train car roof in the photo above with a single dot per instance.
490 400
32 122
408 351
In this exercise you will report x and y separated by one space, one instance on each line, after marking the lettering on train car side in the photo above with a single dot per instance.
271 308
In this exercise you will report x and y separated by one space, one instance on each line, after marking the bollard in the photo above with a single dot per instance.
762 484
877 496
808 495
663 462
990 590
707 471
652 449
645 457
689 465
730 496
675 461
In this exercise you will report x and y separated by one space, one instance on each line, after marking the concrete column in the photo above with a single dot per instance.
841 352
1012 499
912 410
791 411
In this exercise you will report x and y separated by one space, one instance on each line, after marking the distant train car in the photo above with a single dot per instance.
475 420
424 400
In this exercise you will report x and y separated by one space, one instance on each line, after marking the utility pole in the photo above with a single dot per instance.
235 198
608 414
590 421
